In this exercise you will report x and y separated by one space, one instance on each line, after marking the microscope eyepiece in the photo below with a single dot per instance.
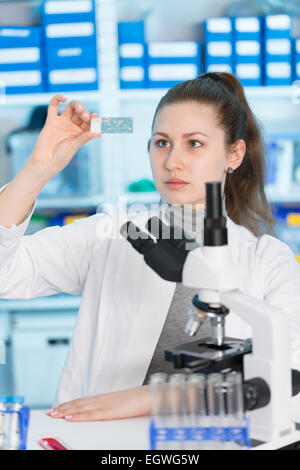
213 200
215 230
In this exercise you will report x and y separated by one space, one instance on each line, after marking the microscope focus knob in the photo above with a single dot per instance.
257 394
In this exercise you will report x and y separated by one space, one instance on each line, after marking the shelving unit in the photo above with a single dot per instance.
71 203
44 98
269 103
253 93
61 302
265 93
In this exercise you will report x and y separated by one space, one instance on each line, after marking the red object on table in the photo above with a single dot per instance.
52 443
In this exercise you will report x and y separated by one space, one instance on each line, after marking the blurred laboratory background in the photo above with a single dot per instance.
119 57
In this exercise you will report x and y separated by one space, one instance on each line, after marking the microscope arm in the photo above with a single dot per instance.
218 275
270 359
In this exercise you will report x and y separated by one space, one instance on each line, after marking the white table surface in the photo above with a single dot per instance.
123 434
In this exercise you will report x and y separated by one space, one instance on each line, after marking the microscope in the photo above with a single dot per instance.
265 359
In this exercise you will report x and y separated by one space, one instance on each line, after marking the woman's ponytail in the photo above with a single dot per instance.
248 181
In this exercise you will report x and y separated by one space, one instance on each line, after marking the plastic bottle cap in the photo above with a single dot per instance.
3 399
16 399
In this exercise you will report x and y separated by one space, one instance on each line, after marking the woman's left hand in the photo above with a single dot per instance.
106 406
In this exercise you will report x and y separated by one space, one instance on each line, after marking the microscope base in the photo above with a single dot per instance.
292 440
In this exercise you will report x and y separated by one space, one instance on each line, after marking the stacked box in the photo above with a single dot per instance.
70 45
218 47
278 49
132 54
248 50
21 69
296 50
171 62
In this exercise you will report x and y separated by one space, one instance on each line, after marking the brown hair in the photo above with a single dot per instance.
245 198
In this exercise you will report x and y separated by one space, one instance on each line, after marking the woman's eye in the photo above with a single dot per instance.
198 144
158 143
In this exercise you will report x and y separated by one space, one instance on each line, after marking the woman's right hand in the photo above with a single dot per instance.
61 136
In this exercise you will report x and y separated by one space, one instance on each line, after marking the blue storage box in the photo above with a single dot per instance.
278 50
218 68
218 52
20 58
19 36
277 26
297 59
71 57
218 29
171 62
21 69
297 49
248 51
67 11
133 77
296 71
72 79
168 75
278 73
247 28
132 54
249 74
22 81
70 34
131 31
175 52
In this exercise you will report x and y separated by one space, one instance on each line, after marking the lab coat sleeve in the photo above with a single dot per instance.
280 273
53 260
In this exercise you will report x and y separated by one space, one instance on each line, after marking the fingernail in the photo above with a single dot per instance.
86 115
54 413
68 417
49 411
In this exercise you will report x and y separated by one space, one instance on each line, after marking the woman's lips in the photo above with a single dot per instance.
177 185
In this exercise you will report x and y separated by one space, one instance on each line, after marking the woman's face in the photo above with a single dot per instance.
188 144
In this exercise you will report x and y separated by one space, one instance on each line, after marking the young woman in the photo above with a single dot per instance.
203 130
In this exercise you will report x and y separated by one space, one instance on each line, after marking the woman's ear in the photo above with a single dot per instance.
237 153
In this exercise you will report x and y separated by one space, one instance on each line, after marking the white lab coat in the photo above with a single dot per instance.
124 302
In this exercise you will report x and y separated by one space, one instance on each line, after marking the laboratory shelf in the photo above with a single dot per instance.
70 202
142 197
34 99
281 197
147 94
268 92
95 201
260 92
53 302
284 135
273 195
